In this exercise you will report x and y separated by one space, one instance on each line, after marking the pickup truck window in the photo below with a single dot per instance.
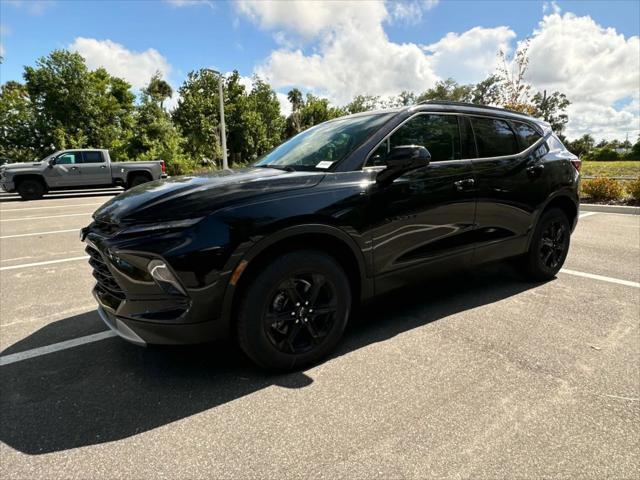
92 157
69 158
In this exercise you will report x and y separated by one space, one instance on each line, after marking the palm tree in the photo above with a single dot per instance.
295 97
159 89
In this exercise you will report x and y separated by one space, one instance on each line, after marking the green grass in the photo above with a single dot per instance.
611 169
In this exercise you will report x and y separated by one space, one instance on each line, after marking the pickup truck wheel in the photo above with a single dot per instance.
294 310
30 189
136 180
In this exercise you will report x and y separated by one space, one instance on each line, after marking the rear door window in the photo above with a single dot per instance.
526 134
494 137
92 157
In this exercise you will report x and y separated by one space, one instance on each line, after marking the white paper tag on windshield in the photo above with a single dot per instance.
324 164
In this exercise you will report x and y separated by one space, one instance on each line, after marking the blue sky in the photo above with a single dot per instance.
293 46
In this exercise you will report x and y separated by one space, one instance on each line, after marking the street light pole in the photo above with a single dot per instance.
223 133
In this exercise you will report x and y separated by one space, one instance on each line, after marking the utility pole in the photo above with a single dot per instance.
223 133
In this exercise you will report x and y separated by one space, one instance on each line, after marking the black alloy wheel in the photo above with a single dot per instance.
293 310
549 246
553 244
301 313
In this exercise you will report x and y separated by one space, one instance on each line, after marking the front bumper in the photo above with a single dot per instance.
7 186
146 333
138 309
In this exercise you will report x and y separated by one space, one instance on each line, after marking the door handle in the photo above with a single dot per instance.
535 169
103 167
465 184
73 168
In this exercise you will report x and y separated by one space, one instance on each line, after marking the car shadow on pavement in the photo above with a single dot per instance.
110 390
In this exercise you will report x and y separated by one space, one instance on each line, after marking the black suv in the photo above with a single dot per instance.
276 255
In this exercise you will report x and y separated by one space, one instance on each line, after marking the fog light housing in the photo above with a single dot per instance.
162 275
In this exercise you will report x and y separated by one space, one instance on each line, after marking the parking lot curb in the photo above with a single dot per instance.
592 207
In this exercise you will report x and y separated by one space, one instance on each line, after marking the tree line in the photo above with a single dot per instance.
63 104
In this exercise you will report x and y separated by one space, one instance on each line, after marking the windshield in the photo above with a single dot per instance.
319 147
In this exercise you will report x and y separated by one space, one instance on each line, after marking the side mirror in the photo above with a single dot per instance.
404 159
51 162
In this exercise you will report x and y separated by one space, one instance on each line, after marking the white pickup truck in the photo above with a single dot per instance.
76 168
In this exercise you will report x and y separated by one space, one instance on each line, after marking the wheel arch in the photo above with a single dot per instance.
133 173
564 200
325 238
20 177
565 203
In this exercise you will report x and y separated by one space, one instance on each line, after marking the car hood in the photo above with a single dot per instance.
198 195
21 166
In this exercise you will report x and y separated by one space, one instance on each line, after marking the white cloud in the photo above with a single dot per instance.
135 67
354 55
285 104
410 11
471 56
602 121
594 66
2 50
309 18
550 7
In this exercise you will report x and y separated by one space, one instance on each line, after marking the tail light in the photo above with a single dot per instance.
163 166
577 163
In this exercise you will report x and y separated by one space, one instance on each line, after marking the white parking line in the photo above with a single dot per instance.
56 347
50 206
41 218
602 278
41 233
49 262
587 214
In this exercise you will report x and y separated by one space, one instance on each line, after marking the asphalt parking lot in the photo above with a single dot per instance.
480 375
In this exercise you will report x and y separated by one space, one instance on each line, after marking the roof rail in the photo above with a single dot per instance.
468 104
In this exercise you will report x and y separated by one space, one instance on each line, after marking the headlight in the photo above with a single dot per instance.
156 227
164 278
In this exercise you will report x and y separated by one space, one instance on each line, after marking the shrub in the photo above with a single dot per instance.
603 189
603 154
633 187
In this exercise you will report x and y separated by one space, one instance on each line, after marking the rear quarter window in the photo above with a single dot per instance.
92 157
494 137
526 134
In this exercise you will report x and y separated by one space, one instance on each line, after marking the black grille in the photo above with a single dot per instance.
107 288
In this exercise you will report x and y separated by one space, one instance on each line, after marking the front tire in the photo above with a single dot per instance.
294 311
30 189
549 246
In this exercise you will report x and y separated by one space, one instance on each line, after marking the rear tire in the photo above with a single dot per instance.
549 246
31 189
294 311
136 180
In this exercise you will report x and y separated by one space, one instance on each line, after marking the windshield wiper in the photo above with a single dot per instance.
286 168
